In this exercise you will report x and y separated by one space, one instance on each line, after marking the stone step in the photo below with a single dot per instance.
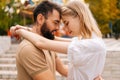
10 52
8 75
7 55
14 46
7 61
8 67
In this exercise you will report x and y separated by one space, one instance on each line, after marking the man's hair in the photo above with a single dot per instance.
44 8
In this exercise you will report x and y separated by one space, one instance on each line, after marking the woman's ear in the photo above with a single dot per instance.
40 19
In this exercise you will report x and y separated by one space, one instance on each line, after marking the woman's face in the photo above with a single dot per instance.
72 25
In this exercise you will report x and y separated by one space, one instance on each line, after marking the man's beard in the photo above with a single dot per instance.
46 32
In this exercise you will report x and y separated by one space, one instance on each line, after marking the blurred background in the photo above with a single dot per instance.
106 12
13 12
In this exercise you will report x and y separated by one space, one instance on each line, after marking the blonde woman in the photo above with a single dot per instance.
86 51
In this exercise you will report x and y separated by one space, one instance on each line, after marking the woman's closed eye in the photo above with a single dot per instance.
66 23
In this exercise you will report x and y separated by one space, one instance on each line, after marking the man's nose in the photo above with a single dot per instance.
57 27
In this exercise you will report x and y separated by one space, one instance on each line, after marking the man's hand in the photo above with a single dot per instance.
98 78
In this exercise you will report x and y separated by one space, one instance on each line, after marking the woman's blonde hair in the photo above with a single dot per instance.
88 25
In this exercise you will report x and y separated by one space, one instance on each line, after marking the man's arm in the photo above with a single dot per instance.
46 75
61 68
98 78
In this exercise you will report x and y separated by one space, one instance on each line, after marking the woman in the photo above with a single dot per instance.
86 51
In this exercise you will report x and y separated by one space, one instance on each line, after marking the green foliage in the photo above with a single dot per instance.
118 4
7 20
116 26
104 11
105 29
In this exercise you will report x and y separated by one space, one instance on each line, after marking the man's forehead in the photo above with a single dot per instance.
55 15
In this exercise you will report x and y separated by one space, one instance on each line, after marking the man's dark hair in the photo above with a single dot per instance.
44 8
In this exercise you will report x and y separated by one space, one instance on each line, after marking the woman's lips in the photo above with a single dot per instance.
70 32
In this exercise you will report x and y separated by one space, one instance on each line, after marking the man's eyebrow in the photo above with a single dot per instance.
57 21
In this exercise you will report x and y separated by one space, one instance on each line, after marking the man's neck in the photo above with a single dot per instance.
35 30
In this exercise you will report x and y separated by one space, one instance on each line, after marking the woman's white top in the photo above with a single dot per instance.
86 58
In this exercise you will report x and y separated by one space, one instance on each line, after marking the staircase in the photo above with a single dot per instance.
8 64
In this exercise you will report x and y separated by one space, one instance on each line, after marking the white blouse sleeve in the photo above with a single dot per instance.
81 51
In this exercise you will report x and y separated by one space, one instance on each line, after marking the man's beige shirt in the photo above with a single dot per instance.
31 61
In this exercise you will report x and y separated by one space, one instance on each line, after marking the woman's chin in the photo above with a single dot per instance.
71 35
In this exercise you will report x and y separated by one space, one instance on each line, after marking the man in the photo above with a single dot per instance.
36 64
33 63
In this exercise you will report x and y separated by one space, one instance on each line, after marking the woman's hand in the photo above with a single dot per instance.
98 78
14 28
13 31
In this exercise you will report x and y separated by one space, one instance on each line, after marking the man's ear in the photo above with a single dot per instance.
40 19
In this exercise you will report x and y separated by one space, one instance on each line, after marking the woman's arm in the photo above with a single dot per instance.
63 39
41 42
14 28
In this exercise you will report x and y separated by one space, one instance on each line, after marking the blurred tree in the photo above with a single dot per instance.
118 4
104 11
114 11
9 16
116 29
2 17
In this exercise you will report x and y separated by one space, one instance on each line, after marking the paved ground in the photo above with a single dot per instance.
112 44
